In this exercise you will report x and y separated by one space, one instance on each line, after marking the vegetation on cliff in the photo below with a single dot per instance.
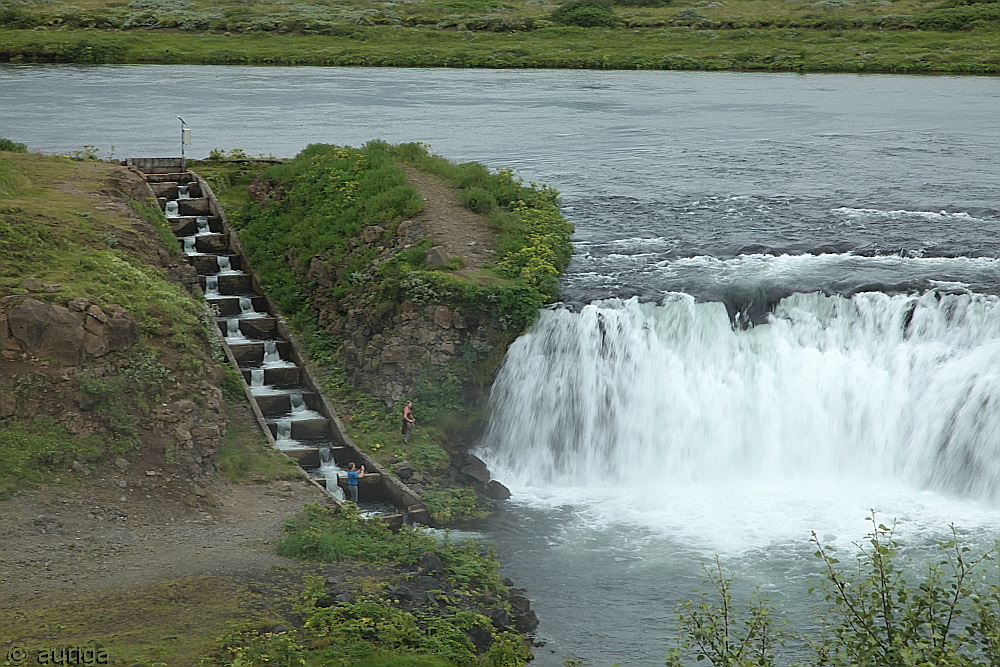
93 249
74 231
434 602
771 35
336 237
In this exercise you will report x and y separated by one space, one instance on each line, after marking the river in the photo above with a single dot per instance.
781 311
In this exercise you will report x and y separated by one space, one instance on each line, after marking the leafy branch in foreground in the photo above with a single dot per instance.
724 634
877 617
872 614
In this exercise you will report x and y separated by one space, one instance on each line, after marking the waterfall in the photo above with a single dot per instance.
211 286
283 437
225 264
233 332
272 357
202 222
257 385
331 472
189 248
299 408
171 209
247 308
271 354
662 407
257 379
298 403
182 192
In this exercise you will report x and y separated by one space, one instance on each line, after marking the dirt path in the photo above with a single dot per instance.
153 573
105 534
462 233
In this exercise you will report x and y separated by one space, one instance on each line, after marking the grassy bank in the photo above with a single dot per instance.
769 35
339 208
750 49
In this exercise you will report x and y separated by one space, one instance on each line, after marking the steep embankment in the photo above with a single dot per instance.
409 276
140 507
115 523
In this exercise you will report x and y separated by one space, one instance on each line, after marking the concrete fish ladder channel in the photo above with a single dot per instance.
282 390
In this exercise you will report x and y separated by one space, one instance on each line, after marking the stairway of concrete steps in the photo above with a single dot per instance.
294 414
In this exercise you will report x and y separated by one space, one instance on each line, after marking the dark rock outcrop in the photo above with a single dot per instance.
69 335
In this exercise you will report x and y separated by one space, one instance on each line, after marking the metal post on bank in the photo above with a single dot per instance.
185 141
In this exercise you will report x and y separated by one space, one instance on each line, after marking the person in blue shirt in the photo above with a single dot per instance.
353 475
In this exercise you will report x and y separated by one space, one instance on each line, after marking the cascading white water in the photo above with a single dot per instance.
257 385
331 472
225 264
183 192
283 436
272 356
202 222
257 379
299 408
233 332
297 402
666 417
171 209
211 286
247 308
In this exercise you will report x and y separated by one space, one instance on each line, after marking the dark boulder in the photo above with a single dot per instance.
430 564
475 469
496 490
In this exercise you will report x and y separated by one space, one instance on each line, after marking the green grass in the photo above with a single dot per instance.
769 35
246 456
785 49
55 228
172 622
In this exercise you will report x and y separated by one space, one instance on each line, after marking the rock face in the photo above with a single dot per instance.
77 362
67 335
389 350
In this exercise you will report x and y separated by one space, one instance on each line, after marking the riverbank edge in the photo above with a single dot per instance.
798 50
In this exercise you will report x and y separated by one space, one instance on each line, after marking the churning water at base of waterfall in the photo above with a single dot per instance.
640 440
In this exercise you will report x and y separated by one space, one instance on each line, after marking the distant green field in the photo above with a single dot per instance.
778 35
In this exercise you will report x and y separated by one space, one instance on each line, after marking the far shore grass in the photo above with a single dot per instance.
889 36
781 50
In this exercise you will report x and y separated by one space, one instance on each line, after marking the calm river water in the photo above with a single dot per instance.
853 219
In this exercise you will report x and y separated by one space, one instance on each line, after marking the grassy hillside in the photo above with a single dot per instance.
99 519
342 208
777 35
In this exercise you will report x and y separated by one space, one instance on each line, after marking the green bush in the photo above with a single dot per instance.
872 612
961 18
477 200
451 505
12 16
12 146
429 456
585 14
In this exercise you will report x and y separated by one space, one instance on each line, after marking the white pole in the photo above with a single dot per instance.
184 135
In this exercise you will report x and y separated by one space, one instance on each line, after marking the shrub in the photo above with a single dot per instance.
12 146
585 14
12 16
873 614
477 200
451 505
961 18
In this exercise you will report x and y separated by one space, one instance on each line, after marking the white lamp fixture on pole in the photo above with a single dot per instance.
185 140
